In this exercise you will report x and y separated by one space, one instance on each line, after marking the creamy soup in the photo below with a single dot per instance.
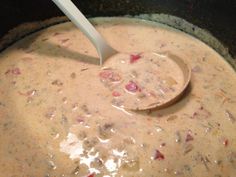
59 120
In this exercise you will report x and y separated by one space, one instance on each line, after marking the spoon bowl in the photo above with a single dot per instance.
147 80
152 86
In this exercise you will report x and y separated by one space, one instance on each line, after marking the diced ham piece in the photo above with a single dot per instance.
110 75
226 142
134 58
158 155
116 94
189 138
132 87
91 175
14 71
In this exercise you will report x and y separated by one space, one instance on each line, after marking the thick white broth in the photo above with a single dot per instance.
57 119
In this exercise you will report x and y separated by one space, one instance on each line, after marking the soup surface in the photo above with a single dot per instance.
58 120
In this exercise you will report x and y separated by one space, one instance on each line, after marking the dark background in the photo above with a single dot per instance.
217 16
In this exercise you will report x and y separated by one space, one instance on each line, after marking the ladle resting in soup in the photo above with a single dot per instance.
58 119
144 80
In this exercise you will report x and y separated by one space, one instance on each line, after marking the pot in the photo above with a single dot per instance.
217 17
211 21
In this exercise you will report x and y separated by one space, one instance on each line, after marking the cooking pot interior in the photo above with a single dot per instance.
216 16
58 107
